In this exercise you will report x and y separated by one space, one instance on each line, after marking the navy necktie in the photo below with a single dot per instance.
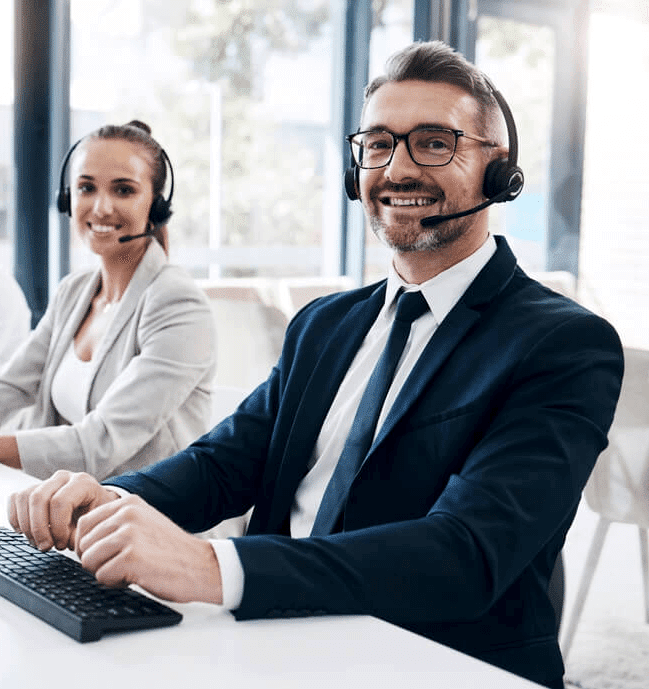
410 306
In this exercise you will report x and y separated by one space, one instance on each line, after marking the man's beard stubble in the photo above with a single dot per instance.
425 238
416 237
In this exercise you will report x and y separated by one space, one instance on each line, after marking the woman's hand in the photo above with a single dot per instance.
48 513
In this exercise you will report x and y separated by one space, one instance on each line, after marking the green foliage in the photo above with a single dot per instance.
271 190
521 62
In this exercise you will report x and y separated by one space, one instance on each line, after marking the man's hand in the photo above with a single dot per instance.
121 541
129 542
48 512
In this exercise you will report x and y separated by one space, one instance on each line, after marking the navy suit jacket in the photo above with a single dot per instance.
456 517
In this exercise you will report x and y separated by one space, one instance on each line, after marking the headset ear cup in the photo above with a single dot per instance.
515 182
64 196
160 210
63 201
351 183
500 176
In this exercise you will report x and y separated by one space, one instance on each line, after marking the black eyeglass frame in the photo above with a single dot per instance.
457 133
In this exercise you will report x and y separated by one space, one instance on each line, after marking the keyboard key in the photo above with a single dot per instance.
59 591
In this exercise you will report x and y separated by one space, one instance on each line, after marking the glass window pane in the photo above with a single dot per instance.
239 94
6 131
519 59
614 243
391 30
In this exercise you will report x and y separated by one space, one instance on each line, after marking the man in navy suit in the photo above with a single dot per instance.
496 414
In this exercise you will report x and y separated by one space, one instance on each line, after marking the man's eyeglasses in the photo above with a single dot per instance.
430 146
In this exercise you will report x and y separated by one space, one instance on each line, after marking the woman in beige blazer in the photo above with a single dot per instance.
118 372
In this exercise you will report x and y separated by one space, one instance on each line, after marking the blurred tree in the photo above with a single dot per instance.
520 58
271 184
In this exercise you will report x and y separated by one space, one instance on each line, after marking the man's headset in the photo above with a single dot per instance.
503 179
160 210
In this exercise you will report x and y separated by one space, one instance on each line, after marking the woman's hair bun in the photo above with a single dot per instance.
138 124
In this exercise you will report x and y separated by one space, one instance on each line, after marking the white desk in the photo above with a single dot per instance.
210 649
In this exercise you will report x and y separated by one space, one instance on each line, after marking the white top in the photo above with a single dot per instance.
70 386
442 293
15 316
152 375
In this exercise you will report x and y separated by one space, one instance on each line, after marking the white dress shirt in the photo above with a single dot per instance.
441 293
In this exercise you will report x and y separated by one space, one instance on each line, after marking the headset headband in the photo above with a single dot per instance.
160 208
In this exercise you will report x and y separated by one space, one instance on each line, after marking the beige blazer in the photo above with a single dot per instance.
151 379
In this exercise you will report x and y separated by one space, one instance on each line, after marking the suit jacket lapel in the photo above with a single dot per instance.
491 280
317 397
335 360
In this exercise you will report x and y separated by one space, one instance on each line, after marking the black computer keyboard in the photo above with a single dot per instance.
59 591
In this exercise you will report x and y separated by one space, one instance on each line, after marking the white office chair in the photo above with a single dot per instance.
249 330
225 400
296 292
618 489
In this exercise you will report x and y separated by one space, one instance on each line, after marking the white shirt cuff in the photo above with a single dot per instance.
231 572
229 564
122 492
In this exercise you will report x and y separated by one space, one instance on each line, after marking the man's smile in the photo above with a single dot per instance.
410 201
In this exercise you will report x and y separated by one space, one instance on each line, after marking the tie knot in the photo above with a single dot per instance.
410 306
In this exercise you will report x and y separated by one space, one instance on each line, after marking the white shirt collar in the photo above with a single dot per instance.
444 290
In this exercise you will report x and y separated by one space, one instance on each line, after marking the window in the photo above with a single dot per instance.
239 95
614 246
6 132
519 59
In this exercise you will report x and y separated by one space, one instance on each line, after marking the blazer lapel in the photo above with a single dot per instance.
151 264
71 320
316 400
491 280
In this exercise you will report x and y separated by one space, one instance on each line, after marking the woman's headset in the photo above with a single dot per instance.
159 213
